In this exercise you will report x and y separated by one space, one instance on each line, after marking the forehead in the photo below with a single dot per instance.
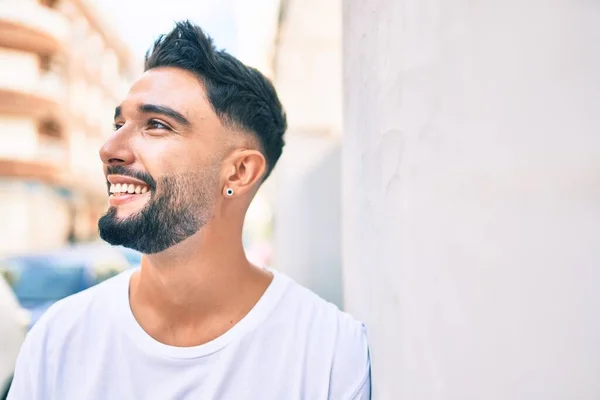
176 88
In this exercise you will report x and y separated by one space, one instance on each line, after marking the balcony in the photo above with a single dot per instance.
26 90
32 170
46 161
34 151
29 26
30 153
38 103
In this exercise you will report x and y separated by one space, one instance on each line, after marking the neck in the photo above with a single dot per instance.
196 283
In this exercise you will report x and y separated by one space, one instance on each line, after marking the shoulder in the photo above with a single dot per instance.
308 305
66 314
305 304
337 331
52 335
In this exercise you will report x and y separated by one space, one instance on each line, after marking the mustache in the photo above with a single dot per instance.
132 173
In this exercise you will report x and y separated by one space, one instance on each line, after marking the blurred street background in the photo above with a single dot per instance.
441 178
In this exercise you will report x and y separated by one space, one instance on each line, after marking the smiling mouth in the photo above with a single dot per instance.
120 189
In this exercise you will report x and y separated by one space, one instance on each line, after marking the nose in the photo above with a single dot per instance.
117 149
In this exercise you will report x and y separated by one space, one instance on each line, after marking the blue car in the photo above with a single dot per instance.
40 280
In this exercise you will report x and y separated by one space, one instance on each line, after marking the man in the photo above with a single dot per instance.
195 137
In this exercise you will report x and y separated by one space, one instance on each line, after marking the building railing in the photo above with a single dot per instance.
35 16
20 72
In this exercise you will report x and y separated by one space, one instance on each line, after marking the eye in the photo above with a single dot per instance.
117 126
156 124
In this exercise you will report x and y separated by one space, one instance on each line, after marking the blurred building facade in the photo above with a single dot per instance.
62 71
306 183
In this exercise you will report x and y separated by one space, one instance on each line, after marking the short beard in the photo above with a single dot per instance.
180 207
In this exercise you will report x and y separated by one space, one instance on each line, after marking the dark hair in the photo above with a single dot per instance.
240 95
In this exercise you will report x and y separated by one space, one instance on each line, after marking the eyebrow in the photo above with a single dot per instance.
156 109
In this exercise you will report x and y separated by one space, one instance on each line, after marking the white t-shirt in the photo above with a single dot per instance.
291 345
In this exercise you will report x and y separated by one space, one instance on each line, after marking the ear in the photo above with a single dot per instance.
245 172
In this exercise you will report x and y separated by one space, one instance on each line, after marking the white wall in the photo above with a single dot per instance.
472 196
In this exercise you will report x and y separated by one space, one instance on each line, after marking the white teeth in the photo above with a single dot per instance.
120 188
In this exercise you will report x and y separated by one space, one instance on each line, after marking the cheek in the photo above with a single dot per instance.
176 156
158 157
204 180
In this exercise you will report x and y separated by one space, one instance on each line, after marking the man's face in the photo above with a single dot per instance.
162 163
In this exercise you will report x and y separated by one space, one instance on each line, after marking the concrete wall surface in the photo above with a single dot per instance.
471 217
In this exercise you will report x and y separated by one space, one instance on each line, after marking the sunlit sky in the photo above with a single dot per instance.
245 28
139 21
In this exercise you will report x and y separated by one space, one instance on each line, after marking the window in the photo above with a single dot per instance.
45 63
49 3
49 127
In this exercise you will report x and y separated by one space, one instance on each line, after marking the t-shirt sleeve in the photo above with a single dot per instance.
351 370
364 392
28 380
